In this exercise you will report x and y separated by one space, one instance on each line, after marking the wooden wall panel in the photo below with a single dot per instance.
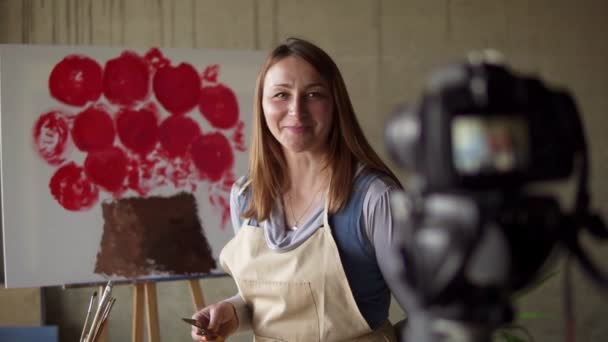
227 24
266 24
142 20
38 21
11 17
179 18
106 22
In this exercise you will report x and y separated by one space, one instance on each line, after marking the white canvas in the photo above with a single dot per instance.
44 243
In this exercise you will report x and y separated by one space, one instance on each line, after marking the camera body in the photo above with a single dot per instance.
480 126
469 234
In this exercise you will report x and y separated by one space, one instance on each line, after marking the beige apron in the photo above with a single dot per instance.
298 295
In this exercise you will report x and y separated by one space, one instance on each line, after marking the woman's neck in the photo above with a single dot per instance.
307 172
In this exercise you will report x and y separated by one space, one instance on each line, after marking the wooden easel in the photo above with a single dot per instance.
145 305
144 301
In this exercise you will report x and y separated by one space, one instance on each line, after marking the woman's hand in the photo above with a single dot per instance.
220 321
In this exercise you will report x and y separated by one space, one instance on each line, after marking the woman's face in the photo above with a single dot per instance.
298 105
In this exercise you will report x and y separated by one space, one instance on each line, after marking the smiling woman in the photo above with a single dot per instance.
312 216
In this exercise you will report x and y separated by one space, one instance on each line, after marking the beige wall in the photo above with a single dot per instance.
385 50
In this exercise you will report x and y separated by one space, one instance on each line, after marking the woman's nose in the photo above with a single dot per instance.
297 106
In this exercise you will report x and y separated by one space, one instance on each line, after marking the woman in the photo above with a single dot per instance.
311 216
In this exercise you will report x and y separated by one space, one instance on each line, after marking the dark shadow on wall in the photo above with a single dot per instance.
54 301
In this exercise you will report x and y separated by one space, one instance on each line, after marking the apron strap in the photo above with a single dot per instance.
326 210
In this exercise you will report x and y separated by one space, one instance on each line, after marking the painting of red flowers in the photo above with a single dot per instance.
118 162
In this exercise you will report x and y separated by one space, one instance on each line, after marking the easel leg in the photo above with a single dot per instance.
145 300
152 313
137 334
197 294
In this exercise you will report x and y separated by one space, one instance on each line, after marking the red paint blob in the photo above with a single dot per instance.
143 176
138 129
221 203
126 79
51 133
180 174
156 58
107 168
76 80
212 155
238 137
93 129
219 106
177 133
177 88
71 188
211 72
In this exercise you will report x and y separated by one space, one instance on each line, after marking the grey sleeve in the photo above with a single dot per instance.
381 233
237 203
242 312
235 214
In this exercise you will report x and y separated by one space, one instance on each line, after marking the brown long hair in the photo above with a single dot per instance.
347 145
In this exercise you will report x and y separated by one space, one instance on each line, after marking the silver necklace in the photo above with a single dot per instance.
297 220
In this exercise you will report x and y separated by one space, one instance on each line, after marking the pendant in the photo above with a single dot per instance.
294 227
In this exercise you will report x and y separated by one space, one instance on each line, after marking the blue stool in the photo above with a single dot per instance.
47 333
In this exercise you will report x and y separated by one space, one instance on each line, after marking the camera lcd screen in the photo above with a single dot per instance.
489 144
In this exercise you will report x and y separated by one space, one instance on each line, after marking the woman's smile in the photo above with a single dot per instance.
296 129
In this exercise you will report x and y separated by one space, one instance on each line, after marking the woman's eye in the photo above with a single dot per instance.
315 94
280 95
